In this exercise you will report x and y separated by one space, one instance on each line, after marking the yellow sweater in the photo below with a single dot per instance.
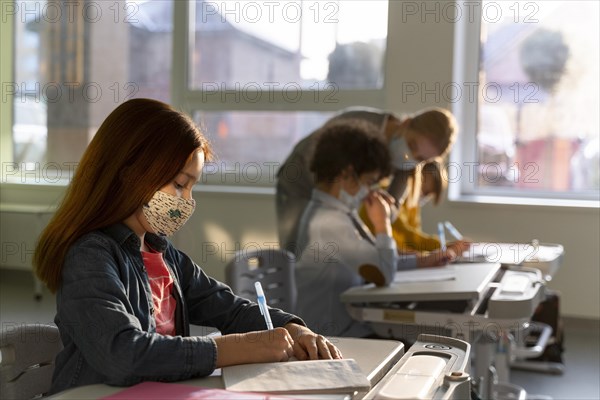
406 230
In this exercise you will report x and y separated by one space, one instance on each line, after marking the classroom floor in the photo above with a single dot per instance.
582 342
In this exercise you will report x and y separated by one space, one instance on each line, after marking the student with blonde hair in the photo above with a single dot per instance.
426 183
410 139
125 296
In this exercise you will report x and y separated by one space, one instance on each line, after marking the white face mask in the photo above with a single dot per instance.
354 201
166 213
402 157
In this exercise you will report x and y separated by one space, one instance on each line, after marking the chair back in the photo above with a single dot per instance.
27 363
273 268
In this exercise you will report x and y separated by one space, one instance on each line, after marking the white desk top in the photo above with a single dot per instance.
469 282
374 357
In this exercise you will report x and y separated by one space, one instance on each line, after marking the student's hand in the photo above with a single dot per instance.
310 346
391 202
437 258
460 246
378 211
254 347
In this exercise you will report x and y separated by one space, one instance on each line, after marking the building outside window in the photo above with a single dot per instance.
76 61
258 76
537 113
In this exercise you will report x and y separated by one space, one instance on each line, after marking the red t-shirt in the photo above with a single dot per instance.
161 284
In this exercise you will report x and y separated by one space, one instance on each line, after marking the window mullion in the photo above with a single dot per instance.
6 75
463 161
291 100
182 12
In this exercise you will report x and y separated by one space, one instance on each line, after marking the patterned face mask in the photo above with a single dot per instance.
166 213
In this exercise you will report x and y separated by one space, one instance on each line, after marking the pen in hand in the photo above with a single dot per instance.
453 231
442 236
262 304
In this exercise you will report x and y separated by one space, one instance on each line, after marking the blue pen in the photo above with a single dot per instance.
453 231
442 236
262 304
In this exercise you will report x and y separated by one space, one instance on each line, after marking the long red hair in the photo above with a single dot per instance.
141 146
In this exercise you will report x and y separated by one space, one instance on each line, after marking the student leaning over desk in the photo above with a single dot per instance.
334 247
125 296
410 139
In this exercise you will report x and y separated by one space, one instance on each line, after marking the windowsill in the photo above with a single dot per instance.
26 208
24 182
264 190
232 189
33 185
524 201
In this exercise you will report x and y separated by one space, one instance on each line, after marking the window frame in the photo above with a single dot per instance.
192 100
6 75
466 49
465 69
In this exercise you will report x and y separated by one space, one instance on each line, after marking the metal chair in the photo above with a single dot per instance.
27 363
273 268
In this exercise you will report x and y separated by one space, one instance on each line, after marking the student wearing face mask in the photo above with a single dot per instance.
125 296
333 243
410 139
425 184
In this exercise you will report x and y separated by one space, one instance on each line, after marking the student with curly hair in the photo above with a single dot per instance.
335 249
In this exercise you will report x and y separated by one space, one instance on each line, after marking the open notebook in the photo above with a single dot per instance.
292 377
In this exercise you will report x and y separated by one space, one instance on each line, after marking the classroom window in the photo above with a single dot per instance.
261 75
249 145
257 72
259 45
537 110
74 62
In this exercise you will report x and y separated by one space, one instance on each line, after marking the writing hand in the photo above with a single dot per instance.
311 346
254 347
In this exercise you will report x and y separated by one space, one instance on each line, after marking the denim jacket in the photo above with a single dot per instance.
105 314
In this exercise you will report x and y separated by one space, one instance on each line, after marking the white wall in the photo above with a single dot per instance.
225 222
222 222
577 230
228 221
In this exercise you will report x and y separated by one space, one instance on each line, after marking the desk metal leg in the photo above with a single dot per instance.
483 371
491 368
524 352
547 367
